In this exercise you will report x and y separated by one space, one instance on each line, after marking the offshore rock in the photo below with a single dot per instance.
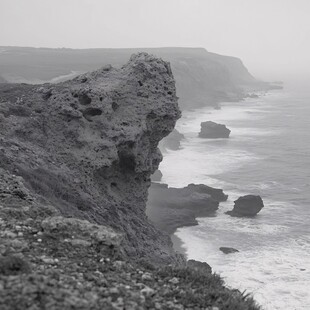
248 205
87 148
157 176
172 141
171 208
212 130
227 250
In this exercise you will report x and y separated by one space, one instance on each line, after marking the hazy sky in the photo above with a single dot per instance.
272 37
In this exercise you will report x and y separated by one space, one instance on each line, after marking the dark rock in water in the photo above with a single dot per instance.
226 250
248 205
157 176
172 141
212 130
215 193
170 208
199 266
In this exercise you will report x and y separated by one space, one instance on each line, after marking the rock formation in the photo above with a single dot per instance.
156 176
227 250
212 130
248 205
89 146
171 208
172 141
199 266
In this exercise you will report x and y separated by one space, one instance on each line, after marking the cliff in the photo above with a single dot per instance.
75 165
88 146
202 78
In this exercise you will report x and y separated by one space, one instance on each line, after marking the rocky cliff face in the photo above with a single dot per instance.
87 147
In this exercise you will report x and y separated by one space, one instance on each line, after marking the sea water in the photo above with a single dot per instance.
267 154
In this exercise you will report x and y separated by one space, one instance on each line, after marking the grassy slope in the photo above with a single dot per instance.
61 268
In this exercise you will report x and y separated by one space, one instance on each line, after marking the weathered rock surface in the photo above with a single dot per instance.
172 141
248 205
199 266
212 130
156 176
171 208
88 146
227 250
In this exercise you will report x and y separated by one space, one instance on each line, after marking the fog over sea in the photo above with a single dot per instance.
268 154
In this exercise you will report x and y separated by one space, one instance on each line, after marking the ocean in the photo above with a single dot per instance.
267 154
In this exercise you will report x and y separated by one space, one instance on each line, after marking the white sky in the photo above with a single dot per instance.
272 37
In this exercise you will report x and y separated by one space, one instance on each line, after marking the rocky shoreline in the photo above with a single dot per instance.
171 208
76 160
51 262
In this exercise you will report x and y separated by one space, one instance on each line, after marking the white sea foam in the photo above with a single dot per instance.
261 157
277 275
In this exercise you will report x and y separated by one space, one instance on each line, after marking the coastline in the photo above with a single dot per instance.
178 245
53 253
267 260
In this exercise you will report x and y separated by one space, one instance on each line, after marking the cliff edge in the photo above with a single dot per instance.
88 146
75 165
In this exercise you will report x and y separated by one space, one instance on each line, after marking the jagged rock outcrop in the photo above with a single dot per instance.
157 176
248 205
212 130
172 141
201 267
170 208
88 146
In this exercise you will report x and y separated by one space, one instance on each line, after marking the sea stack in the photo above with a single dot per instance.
212 130
172 141
156 176
248 205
